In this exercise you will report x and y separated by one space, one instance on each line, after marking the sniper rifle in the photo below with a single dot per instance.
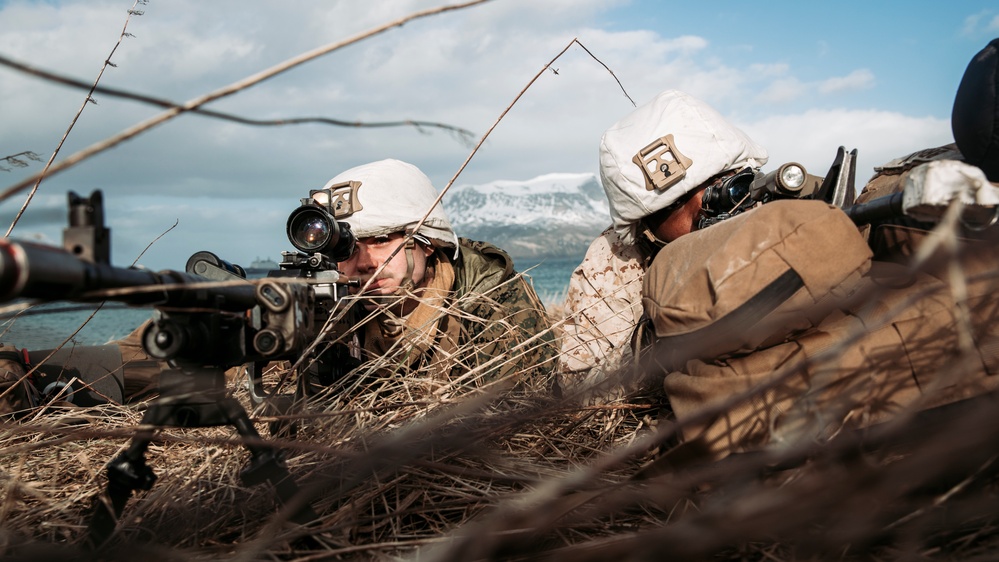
207 319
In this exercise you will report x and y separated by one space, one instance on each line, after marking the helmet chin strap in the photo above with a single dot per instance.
409 284
389 320
648 239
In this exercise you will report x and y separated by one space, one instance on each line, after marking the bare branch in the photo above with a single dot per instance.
464 134
576 41
507 110
16 161
155 240
530 83
37 178
229 90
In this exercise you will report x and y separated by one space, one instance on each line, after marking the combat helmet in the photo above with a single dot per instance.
664 150
389 196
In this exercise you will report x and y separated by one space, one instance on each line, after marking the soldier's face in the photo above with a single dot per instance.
374 251
681 221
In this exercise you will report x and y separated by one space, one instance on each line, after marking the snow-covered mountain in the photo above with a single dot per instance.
554 215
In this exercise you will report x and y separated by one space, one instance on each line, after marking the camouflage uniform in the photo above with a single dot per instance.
650 160
491 327
605 304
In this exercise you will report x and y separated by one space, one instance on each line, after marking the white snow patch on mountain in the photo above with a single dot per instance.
561 197
552 214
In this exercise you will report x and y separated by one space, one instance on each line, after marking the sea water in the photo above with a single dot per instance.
550 276
49 325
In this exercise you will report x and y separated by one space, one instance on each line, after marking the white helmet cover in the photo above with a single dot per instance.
706 143
392 196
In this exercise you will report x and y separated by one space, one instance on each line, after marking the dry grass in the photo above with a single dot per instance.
405 467
472 479
402 468
387 474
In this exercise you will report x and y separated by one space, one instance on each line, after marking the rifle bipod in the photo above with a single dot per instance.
190 398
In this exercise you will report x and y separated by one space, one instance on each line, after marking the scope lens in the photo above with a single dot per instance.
309 231
738 192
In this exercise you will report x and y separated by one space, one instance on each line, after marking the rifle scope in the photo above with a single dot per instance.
312 228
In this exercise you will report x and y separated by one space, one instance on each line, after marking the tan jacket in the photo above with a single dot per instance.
603 306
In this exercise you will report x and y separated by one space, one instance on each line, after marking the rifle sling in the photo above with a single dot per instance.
693 344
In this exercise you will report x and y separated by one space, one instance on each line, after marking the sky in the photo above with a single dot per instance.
801 78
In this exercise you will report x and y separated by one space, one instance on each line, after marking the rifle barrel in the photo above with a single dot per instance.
36 271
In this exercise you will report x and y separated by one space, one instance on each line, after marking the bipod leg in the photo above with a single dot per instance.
126 473
266 464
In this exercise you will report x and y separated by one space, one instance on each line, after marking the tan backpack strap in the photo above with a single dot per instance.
697 344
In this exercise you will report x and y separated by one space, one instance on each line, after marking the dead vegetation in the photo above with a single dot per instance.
406 465
396 475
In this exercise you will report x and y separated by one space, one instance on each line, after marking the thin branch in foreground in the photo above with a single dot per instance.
37 179
226 91
463 134
530 83
155 240
475 149
17 161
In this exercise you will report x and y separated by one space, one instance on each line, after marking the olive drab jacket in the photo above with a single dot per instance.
484 325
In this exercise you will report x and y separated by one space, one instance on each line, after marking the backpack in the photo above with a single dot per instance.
777 325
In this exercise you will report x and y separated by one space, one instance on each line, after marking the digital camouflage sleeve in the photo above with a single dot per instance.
503 319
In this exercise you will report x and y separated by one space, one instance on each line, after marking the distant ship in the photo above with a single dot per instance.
260 267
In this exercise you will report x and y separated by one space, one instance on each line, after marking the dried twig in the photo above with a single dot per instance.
37 179
229 90
461 133
16 160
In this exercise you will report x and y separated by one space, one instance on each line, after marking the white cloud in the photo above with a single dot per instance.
237 230
784 87
75 36
857 80
463 68
687 44
981 23
782 90
770 70
811 138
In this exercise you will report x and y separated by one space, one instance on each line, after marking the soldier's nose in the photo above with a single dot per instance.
363 260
